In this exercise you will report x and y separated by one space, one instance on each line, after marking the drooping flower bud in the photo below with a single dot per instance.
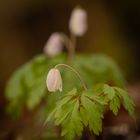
54 80
78 22
54 45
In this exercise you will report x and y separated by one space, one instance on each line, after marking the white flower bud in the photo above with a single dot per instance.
54 80
54 45
78 22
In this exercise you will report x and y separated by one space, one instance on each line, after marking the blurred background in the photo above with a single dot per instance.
25 25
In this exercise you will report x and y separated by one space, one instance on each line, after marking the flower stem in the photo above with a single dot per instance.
70 45
73 40
77 74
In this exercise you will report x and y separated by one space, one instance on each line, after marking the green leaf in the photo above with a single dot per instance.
115 105
35 96
84 116
117 96
91 94
109 91
72 125
15 90
94 114
127 102
101 68
74 111
72 93
63 111
28 84
67 97
67 114
51 115
24 85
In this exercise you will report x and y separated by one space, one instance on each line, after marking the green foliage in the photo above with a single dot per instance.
27 85
67 114
93 113
115 102
77 110
109 91
115 105
74 110
127 101
99 68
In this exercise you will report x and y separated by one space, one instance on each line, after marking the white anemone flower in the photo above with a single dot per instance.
54 80
78 22
54 45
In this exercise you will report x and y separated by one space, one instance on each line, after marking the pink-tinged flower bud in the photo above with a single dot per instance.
54 80
78 22
54 45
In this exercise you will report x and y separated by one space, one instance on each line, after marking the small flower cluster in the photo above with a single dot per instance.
77 26
54 46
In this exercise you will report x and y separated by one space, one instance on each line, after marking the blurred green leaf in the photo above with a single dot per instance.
99 68
27 86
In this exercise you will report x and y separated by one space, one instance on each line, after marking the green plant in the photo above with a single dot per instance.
76 108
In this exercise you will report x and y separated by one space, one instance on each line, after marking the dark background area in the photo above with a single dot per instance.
25 25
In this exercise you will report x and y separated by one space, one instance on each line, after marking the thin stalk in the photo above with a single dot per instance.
73 40
73 70
70 45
